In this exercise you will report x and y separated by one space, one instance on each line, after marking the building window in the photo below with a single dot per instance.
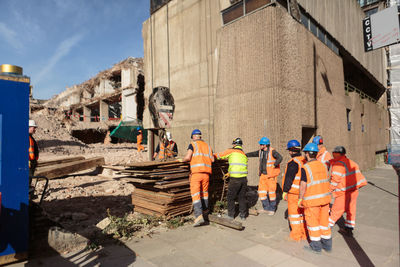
348 119
304 20
233 12
321 35
313 28
371 11
240 8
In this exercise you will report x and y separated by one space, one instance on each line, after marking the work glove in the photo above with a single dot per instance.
29 164
284 196
179 160
300 203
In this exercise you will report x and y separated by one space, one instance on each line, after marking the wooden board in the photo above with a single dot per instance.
64 169
42 163
137 180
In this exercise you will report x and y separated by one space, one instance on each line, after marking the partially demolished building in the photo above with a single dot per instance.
113 94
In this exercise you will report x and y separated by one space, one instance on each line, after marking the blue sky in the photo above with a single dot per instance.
60 43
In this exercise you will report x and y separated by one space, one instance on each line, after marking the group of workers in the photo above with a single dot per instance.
308 185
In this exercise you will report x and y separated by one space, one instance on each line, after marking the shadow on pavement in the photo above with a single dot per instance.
355 248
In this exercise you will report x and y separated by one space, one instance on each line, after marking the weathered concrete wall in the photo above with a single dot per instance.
254 77
266 84
180 52
343 20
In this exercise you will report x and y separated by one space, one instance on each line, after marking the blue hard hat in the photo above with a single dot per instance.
293 144
264 141
318 140
311 147
196 132
138 128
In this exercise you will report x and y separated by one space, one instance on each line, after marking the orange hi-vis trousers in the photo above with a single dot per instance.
345 203
267 186
296 218
139 146
317 219
199 190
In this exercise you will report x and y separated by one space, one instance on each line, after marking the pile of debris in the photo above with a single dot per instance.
162 188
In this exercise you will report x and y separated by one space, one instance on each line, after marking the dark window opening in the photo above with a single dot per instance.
306 134
348 119
115 80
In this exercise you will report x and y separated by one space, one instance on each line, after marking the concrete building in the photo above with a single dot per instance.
260 68
109 96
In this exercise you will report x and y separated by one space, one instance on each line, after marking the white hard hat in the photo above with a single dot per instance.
169 136
32 123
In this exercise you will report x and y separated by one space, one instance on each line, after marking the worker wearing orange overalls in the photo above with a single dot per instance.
323 155
269 169
33 148
291 190
139 139
167 150
201 157
315 197
346 179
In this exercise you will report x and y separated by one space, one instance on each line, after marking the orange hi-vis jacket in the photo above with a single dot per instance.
139 137
32 149
346 176
272 171
201 158
295 189
166 152
318 188
323 155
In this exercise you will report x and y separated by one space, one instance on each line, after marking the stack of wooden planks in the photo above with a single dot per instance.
162 188
65 166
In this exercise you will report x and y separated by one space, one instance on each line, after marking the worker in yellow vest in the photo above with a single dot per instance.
346 179
315 197
269 169
201 157
237 178
291 190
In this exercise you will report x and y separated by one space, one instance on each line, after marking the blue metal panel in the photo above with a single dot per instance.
14 142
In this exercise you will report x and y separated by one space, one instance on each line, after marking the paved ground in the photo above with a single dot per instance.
264 242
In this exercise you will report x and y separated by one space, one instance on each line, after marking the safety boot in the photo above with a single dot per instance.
198 221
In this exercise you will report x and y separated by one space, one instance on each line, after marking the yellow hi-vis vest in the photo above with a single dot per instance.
237 161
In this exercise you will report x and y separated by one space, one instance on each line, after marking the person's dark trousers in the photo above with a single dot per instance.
268 204
237 188
32 169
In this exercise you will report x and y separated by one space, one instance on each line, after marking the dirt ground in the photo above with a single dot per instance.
79 201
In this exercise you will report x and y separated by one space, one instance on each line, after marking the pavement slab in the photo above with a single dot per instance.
264 241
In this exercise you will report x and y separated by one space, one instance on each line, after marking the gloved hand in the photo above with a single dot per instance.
284 196
300 203
29 164
179 160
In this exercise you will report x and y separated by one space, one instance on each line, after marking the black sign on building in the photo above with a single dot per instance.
367 32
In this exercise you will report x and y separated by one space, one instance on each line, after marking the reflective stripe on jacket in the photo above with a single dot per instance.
272 171
318 191
201 158
346 176
32 150
237 161
166 152
295 188
323 155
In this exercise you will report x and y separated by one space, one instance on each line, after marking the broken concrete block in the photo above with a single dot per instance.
103 223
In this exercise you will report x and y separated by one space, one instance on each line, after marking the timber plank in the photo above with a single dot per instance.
69 167
42 163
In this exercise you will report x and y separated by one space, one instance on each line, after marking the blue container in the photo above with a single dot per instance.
14 171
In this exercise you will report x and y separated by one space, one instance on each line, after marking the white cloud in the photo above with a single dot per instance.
10 36
62 50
